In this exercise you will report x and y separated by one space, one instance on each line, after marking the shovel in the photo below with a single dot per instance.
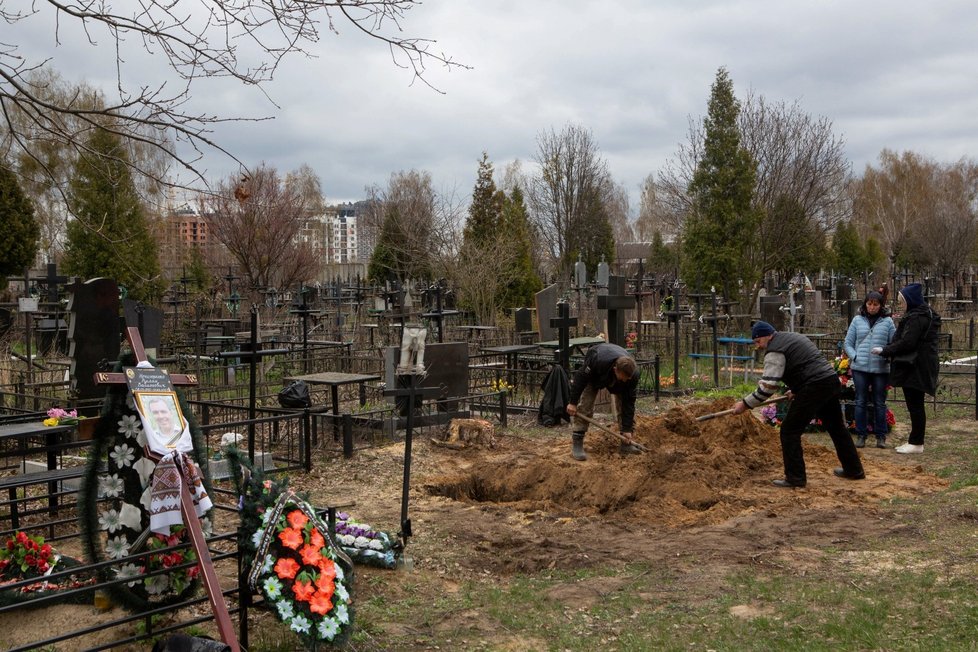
601 426
706 417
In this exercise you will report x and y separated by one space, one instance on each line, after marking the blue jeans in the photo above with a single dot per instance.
863 383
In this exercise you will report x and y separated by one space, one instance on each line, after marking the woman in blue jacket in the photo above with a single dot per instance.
871 328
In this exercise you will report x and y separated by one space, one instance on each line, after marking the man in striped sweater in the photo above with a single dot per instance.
813 388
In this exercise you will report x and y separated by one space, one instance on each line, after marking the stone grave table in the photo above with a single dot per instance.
511 352
334 380
56 438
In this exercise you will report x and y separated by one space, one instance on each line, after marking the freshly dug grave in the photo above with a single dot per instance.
694 473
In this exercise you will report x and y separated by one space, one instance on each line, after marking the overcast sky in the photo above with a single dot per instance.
887 73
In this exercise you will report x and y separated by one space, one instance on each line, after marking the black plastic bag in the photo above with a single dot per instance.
295 395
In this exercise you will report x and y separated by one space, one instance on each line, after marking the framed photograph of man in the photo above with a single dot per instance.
163 422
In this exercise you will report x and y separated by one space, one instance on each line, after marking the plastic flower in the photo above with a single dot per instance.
122 455
327 568
128 570
301 624
342 613
117 547
286 568
129 425
157 584
310 555
285 610
110 486
291 538
267 564
109 521
316 539
273 588
328 629
320 604
297 519
303 590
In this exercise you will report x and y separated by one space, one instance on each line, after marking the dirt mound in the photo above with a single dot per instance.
694 473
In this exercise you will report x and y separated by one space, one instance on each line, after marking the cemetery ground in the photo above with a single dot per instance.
686 547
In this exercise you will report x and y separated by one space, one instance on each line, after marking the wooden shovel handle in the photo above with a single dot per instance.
611 432
714 415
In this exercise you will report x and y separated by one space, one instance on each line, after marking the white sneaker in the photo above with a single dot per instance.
910 448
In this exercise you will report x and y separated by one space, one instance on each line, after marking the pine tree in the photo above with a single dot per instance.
109 235
18 246
719 231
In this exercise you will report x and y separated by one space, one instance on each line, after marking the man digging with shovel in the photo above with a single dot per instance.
606 366
814 389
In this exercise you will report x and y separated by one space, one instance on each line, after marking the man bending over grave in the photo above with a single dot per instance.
606 366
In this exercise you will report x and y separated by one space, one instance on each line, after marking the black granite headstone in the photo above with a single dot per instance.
446 366
524 320
150 324
771 311
93 332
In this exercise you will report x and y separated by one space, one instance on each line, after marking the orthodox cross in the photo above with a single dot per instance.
616 302
410 389
563 323
190 519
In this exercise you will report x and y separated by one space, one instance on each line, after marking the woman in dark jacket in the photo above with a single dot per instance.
913 360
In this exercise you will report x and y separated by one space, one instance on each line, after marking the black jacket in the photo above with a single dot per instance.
598 372
553 407
913 351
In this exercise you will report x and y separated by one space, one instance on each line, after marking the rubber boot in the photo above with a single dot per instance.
860 441
577 447
881 442
629 449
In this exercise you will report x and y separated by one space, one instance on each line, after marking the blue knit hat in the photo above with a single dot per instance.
761 329
913 294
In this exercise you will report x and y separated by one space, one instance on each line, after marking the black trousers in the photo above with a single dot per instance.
820 400
914 398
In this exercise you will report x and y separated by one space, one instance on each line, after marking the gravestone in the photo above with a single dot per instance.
524 320
771 311
446 366
546 301
93 332
151 328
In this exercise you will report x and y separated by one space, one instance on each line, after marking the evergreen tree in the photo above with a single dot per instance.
18 246
523 281
719 230
109 235
662 257
483 222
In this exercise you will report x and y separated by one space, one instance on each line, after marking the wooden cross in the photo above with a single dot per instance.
415 395
211 583
563 323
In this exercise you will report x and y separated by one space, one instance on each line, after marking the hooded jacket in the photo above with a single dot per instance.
913 352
